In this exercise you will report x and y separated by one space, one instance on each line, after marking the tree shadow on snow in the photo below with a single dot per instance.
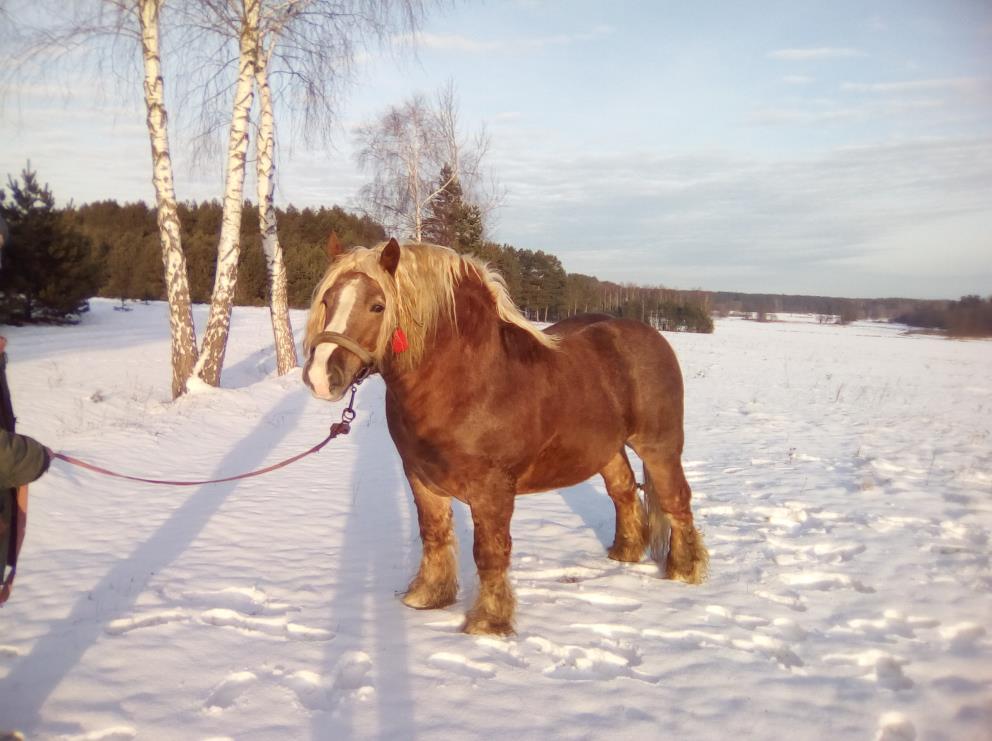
36 675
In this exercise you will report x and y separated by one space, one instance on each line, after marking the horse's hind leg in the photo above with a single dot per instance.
436 582
631 529
667 497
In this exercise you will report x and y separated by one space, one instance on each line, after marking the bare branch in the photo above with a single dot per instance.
407 148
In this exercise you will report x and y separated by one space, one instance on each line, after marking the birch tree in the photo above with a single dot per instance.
182 331
311 45
406 147
60 45
282 329
211 360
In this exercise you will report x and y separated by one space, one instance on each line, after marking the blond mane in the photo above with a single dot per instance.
422 294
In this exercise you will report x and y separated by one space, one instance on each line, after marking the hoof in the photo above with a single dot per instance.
688 559
423 597
696 574
480 625
626 551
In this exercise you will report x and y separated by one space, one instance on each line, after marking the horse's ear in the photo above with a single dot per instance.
333 247
390 257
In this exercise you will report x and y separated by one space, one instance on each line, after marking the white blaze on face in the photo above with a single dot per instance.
336 323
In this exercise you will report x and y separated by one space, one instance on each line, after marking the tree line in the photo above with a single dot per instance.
113 250
842 310
969 317
58 258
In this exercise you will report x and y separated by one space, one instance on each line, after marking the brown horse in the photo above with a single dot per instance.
483 406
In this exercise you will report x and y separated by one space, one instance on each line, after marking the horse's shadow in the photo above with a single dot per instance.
377 553
594 508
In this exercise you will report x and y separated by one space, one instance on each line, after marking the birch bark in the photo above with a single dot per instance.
211 360
182 331
282 330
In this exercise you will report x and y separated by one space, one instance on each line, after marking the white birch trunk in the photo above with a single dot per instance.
181 326
211 360
282 329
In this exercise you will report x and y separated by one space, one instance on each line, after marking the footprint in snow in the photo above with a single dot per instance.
9 652
776 648
462 665
718 613
248 610
350 678
883 668
230 689
891 626
824 581
790 598
605 601
607 660
502 650
247 600
895 727
150 620
566 575
961 638
280 626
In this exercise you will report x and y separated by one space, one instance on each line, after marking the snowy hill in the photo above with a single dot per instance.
842 478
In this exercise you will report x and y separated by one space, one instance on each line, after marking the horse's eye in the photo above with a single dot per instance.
378 308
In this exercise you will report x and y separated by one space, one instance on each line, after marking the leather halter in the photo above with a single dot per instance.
368 362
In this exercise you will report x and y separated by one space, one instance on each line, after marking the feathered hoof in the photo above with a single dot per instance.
688 559
626 551
487 625
421 596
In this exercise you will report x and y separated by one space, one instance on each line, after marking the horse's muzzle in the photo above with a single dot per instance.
337 381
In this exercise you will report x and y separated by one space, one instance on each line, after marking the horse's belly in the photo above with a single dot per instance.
559 464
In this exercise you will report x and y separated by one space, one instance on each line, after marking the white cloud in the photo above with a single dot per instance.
798 80
815 53
470 45
963 85
722 221
780 116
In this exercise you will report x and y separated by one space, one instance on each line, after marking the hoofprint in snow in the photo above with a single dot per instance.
841 478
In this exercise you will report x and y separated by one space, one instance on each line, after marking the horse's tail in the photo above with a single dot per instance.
659 527
677 547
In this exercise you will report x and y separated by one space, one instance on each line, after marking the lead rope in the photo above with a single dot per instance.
338 428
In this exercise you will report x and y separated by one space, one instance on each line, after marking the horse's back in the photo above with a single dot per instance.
638 366
575 323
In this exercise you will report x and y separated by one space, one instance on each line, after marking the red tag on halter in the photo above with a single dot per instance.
400 343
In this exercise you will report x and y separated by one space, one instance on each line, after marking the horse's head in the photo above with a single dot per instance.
352 317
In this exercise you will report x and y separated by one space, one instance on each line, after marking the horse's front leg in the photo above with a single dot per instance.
436 582
493 609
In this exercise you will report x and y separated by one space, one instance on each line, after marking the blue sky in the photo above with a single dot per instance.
840 148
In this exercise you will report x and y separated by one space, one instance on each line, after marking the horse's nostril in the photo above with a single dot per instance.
335 378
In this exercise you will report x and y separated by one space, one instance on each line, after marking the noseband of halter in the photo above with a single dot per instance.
368 362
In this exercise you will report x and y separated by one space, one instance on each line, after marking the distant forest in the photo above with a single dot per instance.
124 240
121 249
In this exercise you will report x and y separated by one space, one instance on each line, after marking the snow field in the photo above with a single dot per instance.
841 479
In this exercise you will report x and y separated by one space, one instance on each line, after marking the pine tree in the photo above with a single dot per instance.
48 271
442 212
451 221
468 229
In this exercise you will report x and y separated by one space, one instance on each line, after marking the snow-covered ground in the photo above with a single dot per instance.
842 479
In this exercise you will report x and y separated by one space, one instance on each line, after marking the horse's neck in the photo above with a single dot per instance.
473 340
